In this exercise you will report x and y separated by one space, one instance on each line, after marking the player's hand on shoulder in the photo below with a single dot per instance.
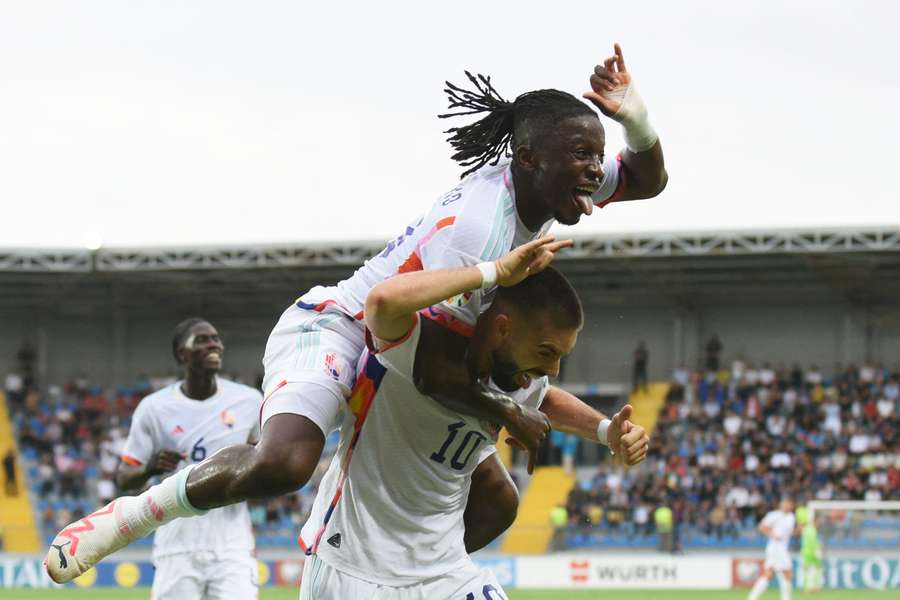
528 259
627 439
164 461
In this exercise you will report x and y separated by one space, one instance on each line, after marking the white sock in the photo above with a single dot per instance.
758 588
157 506
785 585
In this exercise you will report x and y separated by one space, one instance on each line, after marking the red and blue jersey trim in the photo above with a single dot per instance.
361 398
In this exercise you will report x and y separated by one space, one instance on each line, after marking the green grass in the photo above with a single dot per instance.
293 594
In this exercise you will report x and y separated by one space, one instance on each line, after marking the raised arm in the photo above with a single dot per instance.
614 93
392 304
570 414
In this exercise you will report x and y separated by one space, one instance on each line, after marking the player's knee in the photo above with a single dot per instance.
288 453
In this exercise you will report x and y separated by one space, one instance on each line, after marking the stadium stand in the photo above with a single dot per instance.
729 444
71 439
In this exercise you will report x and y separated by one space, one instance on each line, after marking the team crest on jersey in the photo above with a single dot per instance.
332 367
228 418
460 300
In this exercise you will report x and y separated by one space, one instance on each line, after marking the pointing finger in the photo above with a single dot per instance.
620 58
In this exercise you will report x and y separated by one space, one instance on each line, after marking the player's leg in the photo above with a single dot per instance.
176 578
233 576
761 584
785 582
492 505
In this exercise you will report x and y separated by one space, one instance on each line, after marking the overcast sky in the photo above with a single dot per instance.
214 122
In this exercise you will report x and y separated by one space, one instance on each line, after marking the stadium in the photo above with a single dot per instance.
799 396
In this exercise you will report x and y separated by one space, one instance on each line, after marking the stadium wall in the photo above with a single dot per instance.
564 571
117 348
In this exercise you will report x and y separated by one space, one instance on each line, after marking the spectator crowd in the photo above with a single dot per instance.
729 443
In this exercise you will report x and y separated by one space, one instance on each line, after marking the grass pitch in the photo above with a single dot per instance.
293 594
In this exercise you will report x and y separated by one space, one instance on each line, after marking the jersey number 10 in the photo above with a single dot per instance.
472 440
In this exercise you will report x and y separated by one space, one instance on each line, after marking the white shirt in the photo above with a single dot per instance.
398 519
169 420
474 222
782 525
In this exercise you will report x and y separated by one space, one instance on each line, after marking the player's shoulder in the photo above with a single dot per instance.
160 397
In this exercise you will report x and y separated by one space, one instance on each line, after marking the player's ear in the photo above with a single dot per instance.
524 157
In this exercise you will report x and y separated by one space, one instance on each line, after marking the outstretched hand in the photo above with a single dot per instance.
528 259
627 439
609 82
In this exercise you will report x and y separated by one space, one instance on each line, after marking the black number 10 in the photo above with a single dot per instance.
453 430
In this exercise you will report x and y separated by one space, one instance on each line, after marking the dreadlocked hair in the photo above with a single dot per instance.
490 138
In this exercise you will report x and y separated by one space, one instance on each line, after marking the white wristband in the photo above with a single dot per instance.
488 274
632 114
602 429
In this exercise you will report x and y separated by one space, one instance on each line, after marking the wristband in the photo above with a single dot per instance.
632 115
602 431
488 274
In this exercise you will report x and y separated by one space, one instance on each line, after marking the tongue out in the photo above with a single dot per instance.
585 202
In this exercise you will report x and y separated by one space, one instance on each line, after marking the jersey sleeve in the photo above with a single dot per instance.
255 432
400 355
613 184
141 443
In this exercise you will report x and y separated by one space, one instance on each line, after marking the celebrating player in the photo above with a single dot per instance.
210 556
778 525
556 172
388 519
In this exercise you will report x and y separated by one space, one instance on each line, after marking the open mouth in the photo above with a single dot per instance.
582 196
214 357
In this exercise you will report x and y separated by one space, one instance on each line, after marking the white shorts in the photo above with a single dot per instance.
310 365
206 575
323 582
778 559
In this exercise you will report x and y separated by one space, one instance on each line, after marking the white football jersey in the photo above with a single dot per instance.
782 525
169 420
474 222
390 507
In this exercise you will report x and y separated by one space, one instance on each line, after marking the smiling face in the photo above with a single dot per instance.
526 347
202 349
564 166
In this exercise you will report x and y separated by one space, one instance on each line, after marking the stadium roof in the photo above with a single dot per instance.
860 266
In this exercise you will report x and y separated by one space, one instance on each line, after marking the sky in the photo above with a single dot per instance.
211 122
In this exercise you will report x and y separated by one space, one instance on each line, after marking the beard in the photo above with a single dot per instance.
504 371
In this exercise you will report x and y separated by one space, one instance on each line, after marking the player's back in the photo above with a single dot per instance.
475 221
399 517
167 419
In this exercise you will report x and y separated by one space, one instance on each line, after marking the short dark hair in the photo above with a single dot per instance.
548 293
181 332
506 124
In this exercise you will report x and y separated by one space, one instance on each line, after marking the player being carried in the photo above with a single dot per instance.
557 170
397 532
778 525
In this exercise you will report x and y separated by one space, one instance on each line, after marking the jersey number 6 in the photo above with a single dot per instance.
198 452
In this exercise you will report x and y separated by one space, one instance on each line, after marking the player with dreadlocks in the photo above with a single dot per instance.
556 171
